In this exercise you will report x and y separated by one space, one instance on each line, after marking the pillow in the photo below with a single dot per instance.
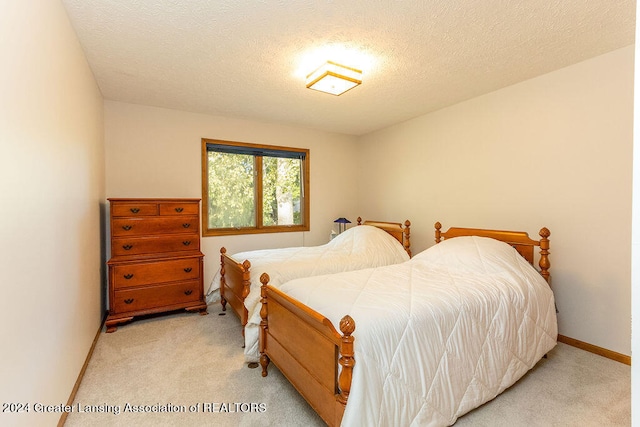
370 241
473 254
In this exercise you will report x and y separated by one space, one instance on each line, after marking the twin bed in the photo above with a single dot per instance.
368 244
433 337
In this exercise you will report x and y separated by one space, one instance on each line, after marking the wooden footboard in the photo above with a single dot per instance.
234 285
308 350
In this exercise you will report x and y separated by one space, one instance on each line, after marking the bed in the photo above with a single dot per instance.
434 337
368 244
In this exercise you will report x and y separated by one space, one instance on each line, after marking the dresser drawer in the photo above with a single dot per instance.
130 275
151 297
155 225
155 245
134 209
177 208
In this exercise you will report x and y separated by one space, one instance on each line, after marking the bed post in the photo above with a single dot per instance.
438 226
246 279
544 254
347 326
359 221
264 359
407 234
223 301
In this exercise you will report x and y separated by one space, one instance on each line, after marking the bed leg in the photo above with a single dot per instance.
264 362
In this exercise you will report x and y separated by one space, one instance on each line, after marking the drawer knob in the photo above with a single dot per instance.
186 242
179 210
187 270
128 276
128 301
126 227
135 210
187 225
188 292
127 247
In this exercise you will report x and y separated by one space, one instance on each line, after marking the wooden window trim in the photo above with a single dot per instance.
259 228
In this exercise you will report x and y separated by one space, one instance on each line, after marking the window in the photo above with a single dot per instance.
249 188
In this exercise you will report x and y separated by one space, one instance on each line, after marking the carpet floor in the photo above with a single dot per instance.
185 369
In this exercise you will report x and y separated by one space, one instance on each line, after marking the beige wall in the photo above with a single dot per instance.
553 151
52 182
635 241
155 152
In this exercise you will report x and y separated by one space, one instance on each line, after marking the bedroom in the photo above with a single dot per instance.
68 149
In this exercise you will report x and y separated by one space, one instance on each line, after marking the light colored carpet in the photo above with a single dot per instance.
185 359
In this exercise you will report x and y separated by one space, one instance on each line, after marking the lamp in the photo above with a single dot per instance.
342 224
334 78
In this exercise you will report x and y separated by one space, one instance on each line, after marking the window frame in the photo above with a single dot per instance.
259 227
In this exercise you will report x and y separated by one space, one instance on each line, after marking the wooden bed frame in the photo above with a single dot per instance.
520 240
317 359
235 276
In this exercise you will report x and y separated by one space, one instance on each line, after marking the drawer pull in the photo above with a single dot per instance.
179 210
187 270
127 247
128 276
187 225
126 227
128 301
186 242
135 210
188 292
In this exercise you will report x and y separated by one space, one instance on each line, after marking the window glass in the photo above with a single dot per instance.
231 190
282 191
237 199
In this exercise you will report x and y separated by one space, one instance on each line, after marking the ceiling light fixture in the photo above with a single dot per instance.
334 78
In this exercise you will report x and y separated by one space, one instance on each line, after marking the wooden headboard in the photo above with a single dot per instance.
400 233
520 240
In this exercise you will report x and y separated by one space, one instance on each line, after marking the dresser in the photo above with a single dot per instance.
156 263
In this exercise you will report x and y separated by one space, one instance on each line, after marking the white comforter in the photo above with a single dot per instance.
359 247
440 334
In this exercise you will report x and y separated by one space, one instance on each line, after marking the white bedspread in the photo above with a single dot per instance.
359 247
437 335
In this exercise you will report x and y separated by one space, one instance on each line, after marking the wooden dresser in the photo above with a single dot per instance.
156 263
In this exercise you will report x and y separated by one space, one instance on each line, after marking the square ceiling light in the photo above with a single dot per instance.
334 78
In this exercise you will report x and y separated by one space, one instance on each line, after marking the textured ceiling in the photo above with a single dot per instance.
242 58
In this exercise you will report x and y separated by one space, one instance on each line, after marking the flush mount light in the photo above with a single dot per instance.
334 78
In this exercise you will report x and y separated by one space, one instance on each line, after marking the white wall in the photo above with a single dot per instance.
51 186
553 151
155 152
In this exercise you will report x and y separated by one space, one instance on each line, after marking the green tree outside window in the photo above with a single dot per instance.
249 188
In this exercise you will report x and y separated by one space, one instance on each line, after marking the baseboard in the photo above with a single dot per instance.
72 397
618 357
